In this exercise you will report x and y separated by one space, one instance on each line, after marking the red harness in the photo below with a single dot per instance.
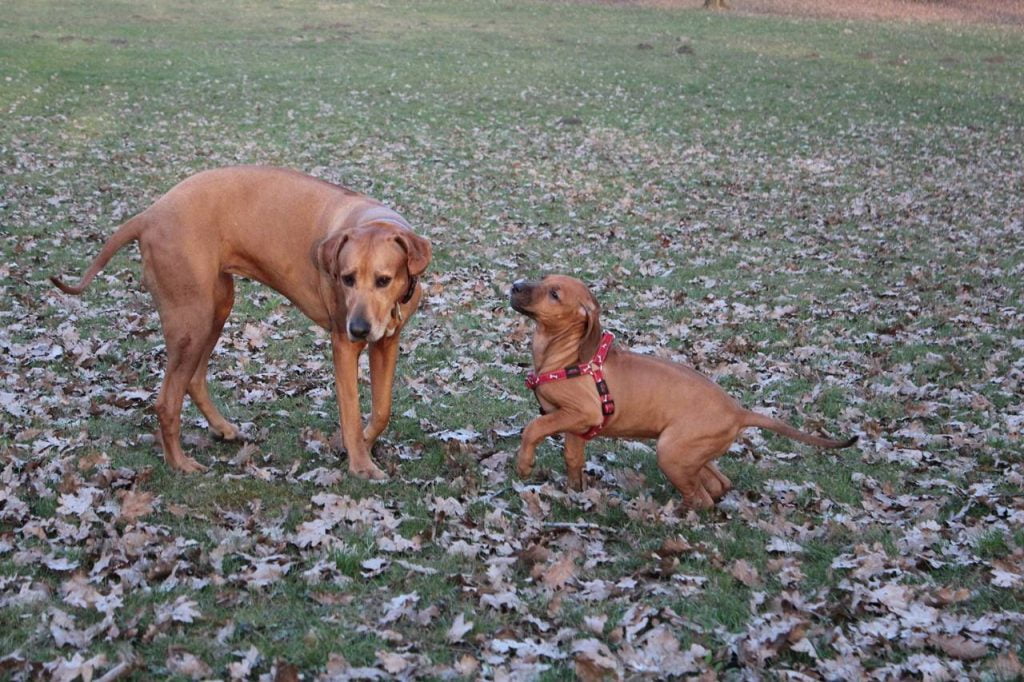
594 368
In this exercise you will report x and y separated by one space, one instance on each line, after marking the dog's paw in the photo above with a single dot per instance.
226 432
369 473
714 482
701 501
187 465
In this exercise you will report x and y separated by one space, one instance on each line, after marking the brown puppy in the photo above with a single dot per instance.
343 259
693 419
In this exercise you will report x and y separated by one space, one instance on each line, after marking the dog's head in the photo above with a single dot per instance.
560 304
372 267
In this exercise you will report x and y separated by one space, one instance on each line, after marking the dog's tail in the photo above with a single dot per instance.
128 232
781 427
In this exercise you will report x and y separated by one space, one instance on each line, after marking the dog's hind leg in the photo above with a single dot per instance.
714 481
184 297
683 461
185 343
198 389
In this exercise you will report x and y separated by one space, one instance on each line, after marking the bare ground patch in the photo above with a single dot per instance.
1000 12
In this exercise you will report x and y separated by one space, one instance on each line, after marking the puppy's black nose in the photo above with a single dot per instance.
358 328
518 286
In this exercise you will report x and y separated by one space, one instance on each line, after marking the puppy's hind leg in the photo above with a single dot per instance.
714 481
198 389
682 463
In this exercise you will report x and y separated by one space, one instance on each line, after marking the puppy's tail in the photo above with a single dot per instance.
781 427
128 232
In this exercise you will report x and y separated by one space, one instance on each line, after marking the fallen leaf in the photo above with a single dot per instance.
181 610
136 504
285 672
187 664
393 663
958 646
460 626
595 624
594 662
745 573
560 572
467 666
1007 666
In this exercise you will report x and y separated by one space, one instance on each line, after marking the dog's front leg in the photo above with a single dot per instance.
346 379
383 358
574 458
546 425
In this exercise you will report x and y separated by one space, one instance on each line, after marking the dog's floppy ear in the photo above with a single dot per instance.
592 333
325 255
417 249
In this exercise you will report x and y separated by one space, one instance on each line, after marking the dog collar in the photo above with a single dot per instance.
411 290
397 312
594 368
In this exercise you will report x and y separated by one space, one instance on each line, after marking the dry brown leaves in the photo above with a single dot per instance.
897 299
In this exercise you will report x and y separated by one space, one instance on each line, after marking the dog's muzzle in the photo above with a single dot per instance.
519 296
358 328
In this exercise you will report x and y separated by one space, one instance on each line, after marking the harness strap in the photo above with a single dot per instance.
594 368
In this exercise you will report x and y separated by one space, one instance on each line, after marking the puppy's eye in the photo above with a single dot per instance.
348 280
554 294
383 281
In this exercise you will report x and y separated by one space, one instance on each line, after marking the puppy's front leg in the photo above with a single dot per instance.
574 458
346 378
546 425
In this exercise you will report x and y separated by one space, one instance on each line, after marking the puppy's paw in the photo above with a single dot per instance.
714 483
370 437
524 465
701 501
226 431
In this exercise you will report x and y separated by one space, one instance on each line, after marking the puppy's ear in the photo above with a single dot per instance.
325 254
417 249
592 332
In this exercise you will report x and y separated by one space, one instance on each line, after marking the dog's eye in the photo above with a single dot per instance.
554 294
348 280
383 281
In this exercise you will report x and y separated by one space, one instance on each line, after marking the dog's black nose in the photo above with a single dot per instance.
358 328
518 286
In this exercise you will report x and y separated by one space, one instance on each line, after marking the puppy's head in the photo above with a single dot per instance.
560 304
372 268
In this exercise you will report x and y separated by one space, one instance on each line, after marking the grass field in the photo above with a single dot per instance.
825 216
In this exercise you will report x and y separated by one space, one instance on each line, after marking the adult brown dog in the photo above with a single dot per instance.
345 260
693 419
